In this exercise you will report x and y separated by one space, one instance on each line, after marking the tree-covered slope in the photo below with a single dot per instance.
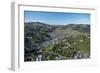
56 42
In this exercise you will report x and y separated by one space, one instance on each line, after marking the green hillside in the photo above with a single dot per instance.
56 42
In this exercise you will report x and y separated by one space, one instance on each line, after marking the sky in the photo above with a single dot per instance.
56 18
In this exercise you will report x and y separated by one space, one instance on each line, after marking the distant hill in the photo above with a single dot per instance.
76 27
80 27
38 35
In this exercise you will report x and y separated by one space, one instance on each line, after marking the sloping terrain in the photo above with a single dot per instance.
56 42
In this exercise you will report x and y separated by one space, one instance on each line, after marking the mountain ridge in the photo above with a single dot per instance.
38 36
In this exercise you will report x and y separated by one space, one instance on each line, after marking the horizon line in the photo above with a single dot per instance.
59 24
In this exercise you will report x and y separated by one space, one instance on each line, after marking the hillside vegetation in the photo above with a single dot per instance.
44 42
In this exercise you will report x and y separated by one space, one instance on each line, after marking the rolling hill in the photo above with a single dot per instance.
56 42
